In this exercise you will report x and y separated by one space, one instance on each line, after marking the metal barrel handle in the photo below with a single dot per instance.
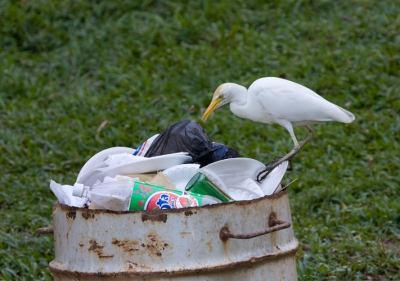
45 230
274 225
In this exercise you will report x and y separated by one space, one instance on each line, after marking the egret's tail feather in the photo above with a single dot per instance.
347 117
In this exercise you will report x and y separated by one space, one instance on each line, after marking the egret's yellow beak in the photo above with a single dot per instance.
213 106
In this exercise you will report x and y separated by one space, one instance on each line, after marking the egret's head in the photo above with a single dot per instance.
221 97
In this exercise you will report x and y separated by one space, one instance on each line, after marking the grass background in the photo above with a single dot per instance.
68 66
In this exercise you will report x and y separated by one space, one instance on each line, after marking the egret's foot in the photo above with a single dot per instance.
272 165
263 174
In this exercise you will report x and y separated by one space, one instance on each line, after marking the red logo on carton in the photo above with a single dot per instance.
167 200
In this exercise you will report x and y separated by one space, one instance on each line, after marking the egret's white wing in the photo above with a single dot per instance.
293 102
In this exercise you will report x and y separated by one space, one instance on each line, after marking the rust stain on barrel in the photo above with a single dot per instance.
71 215
132 266
209 245
94 246
155 245
154 217
126 245
106 256
87 216
98 249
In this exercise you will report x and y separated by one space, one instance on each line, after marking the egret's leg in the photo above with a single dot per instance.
296 144
288 156
289 127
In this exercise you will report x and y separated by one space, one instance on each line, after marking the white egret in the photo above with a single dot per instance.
274 100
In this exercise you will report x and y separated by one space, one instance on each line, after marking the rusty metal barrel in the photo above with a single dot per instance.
243 240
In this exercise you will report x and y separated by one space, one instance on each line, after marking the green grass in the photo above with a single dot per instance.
68 66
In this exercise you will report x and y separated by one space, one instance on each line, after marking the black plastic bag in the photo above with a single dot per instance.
218 152
184 136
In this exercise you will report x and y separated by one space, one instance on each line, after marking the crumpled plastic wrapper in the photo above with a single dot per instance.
64 195
64 192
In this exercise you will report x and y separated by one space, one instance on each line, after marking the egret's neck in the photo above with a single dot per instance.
238 94
238 103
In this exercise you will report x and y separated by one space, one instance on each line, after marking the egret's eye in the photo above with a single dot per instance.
221 96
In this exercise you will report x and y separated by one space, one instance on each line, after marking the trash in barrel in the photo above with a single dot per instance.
129 195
